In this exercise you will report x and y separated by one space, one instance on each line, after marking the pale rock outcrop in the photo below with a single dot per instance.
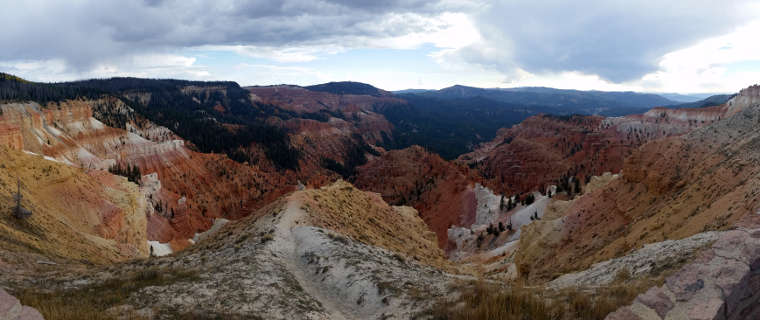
11 309
722 284
651 258
746 98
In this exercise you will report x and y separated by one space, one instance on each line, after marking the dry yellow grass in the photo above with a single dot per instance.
91 302
92 217
364 216
488 301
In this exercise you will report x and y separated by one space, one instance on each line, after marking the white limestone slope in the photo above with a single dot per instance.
488 212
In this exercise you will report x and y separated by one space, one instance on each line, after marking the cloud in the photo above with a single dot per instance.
85 33
615 39
140 65
725 63
593 44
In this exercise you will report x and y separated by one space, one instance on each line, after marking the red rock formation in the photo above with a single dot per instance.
356 110
671 188
542 149
194 188
10 136
346 123
439 190
197 187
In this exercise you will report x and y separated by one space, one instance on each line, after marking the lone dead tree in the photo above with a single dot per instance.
20 212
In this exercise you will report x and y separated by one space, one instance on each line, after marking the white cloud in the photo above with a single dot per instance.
707 65
267 74
448 30
285 55
683 46
146 66
615 39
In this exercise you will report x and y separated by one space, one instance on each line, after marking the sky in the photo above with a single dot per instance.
684 46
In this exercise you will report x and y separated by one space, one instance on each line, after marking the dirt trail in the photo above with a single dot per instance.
285 247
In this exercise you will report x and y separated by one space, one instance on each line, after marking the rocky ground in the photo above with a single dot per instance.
722 283
12 309
277 265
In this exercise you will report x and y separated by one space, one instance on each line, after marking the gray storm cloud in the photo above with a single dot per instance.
84 32
617 40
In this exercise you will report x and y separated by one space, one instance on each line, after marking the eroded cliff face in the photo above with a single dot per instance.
327 126
670 188
10 135
90 216
359 110
193 188
542 149
442 192
190 189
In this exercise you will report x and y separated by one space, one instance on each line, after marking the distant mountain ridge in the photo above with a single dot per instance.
450 121
348 87
710 101
609 103
692 97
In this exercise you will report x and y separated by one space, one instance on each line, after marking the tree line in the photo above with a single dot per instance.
131 172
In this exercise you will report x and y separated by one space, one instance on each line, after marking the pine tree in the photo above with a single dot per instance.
20 212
